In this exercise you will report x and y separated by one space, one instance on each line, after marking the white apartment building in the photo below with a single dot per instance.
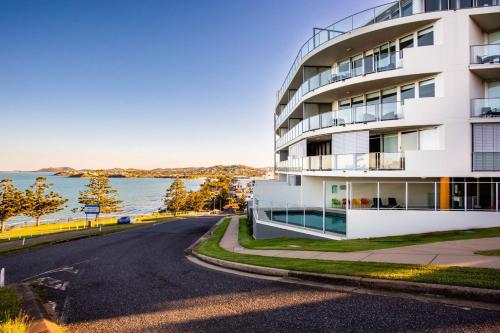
388 123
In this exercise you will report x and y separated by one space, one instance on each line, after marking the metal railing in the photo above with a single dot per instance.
485 54
392 61
485 107
385 12
360 161
354 115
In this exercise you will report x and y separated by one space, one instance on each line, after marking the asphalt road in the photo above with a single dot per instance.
140 281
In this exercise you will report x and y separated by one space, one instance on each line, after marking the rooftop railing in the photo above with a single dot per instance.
388 11
353 115
384 63
485 107
485 54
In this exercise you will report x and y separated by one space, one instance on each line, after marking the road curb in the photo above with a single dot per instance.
42 319
463 293
190 249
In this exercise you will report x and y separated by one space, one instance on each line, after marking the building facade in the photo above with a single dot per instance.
388 123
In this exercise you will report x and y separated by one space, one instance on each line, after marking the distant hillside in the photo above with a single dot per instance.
191 172
57 169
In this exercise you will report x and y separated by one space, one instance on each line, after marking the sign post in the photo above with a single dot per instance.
91 210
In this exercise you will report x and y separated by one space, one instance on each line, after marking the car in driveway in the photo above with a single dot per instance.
124 220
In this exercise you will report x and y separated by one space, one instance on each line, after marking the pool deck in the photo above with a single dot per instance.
449 253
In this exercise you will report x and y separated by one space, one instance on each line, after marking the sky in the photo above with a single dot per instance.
148 83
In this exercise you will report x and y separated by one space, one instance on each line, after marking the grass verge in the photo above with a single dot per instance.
304 244
65 237
11 319
489 253
458 276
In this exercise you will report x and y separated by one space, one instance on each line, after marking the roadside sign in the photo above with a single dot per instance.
91 209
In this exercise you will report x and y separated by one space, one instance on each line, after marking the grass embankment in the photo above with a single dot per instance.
53 228
82 233
489 253
470 277
11 319
304 244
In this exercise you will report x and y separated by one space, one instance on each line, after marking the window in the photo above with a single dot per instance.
486 147
425 37
357 65
407 92
426 88
457 4
344 70
483 3
407 7
368 62
434 5
428 139
406 42
409 141
345 104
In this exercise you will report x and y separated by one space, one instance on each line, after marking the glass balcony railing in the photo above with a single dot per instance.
485 54
485 107
388 11
362 161
357 114
390 62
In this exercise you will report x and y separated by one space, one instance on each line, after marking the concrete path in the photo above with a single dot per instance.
450 253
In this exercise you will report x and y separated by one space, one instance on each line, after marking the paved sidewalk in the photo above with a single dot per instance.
450 253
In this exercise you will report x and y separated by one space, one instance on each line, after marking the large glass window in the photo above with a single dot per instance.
428 139
389 95
434 5
457 4
344 104
481 3
344 69
406 42
409 141
383 57
407 92
357 65
390 143
373 98
425 37
426 88
407 7
368 62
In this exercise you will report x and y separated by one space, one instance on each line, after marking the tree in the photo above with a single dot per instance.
176 196
100 193
40 203
12 202
242 201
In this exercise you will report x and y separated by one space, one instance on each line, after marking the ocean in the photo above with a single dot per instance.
139 195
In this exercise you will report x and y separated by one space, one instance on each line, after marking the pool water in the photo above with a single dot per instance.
313 219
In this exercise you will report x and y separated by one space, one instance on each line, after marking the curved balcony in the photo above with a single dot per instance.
382 13
354 115
362 161
322 79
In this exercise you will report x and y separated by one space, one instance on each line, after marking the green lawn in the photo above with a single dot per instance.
489 253
303 244
11 319
64 237
471 277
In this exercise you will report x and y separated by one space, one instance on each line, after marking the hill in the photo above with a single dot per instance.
189 172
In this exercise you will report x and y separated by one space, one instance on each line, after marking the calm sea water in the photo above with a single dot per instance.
139 195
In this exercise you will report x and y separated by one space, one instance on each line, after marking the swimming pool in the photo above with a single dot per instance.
313 219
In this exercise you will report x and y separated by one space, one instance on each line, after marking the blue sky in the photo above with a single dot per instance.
146 83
